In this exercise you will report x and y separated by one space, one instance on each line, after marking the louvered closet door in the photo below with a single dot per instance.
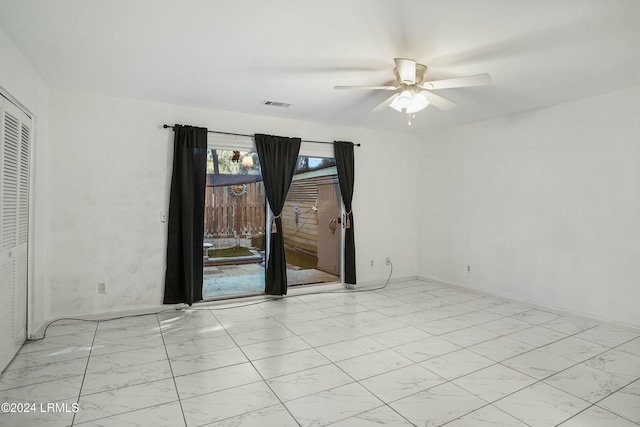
15 141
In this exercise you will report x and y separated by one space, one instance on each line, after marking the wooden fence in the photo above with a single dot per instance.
238 210
234 210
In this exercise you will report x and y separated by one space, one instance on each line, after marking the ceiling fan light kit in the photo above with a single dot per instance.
409 102
403 100
415 96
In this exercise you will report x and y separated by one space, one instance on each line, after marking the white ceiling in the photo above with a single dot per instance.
233 55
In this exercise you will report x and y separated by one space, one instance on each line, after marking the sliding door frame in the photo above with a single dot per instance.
326 150
241 143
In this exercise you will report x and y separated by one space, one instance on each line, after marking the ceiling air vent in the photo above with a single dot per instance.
276 104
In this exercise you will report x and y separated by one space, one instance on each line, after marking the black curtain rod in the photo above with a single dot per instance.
251 136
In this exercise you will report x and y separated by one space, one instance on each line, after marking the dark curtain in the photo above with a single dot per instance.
183 277
345 165
278 157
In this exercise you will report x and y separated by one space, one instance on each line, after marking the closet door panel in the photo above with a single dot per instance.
15 141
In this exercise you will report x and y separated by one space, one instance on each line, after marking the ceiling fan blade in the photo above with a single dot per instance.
367 87
438 101
384 104
406 70
476 80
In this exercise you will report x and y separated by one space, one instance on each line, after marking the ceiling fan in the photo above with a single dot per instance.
413 94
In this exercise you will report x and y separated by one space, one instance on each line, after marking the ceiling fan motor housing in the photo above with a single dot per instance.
417 78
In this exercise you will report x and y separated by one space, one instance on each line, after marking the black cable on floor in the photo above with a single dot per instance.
44 333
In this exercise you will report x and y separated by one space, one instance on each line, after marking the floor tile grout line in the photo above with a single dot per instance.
368 410
374 394
293 372
499 363
386 348
260 374
355 381
349 339
542 380
246 413
471 326
533 349
84 376
482 407
623 350
538 381
77 358
175 384
388 404
447 381
42 382
591 405
492 403
551 375
637 380
126 366
106 417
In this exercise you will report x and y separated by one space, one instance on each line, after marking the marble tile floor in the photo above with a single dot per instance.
415 353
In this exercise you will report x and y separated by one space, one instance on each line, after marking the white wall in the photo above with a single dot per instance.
543 206
19 81
109 181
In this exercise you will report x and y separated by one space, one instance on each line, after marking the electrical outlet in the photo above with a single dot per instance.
371 263
387 260
468 268
102 288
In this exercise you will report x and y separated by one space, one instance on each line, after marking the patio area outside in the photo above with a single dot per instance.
227 280
235 224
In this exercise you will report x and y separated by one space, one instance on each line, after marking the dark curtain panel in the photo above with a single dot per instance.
278 158
183 277
345 165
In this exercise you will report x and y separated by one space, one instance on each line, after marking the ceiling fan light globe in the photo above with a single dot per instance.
405 99
402 101
419 102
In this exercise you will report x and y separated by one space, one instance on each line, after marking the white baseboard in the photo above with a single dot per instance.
554 309
378 282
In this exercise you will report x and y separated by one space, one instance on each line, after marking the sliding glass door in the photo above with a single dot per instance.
234 240
236 222
311 221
